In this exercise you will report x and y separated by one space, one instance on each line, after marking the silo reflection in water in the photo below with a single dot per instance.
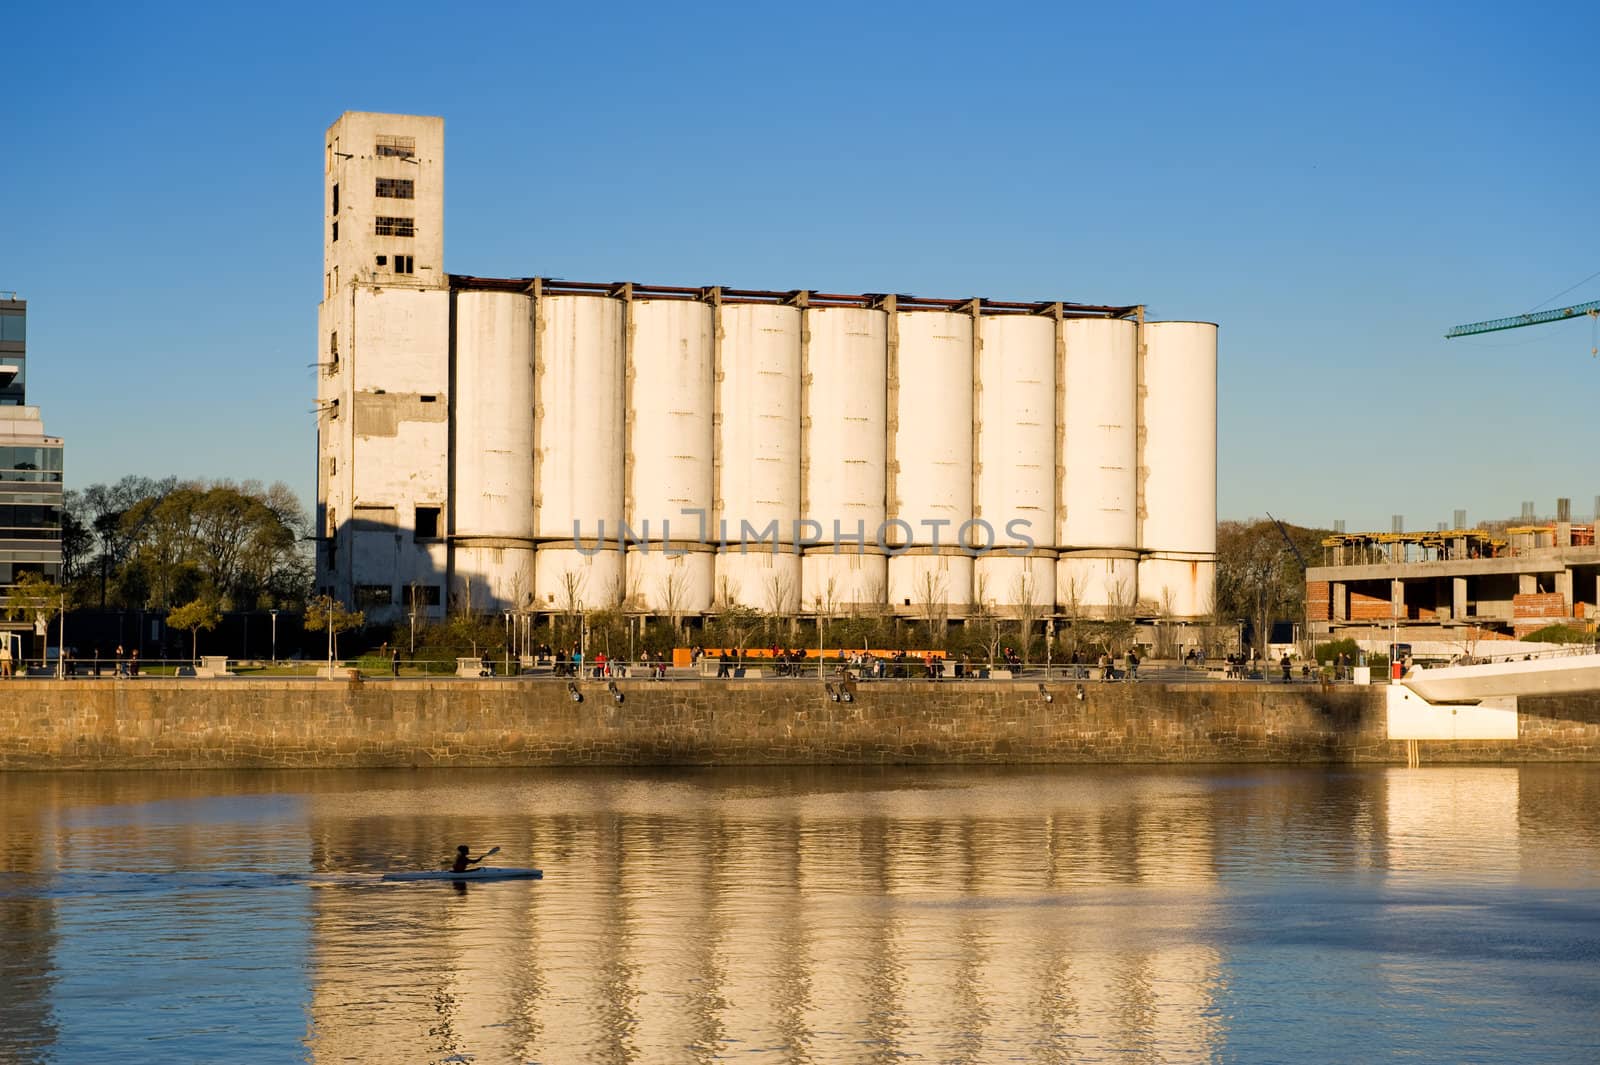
795 916
806 915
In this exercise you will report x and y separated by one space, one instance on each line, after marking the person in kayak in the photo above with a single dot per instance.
462 862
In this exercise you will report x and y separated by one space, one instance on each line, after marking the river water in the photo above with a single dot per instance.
805 915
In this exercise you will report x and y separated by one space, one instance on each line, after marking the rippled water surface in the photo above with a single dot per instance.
785 915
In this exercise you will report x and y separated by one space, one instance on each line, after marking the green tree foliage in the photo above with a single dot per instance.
1559 634
1327 652
457 636
191 617
34 597
325 612
144 543
1259 579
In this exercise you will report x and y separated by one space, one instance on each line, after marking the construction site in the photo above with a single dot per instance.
1445 590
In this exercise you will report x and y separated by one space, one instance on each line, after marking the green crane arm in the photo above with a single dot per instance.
1520 320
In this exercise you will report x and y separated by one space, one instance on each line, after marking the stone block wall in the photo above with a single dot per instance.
149 723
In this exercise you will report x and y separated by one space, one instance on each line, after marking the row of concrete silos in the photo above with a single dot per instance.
828 452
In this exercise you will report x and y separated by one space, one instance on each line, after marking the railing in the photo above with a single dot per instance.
1171 671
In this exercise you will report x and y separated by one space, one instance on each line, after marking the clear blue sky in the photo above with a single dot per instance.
1335 188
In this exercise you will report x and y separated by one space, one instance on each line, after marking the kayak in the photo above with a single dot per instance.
490 873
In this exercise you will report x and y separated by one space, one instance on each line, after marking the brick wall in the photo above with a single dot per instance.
1369 608
1319 600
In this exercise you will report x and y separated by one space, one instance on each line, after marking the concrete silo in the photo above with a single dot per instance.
491 520
670 452
930 378
1016 459
578 450
1178 468
844 447
757 440
1098 532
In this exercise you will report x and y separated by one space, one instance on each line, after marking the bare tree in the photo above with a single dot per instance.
621 589
1119 600
673 589
985 618
727 593
780 594
1165 611
1072 606
828 597
1026 606
570 592
932 599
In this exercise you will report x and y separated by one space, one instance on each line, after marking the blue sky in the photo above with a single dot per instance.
1334 187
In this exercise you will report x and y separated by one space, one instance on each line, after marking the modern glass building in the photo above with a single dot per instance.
13 349
30 472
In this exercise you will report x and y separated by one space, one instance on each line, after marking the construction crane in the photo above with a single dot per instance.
1494 325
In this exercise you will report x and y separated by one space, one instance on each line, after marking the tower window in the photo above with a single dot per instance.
399 147
397 188
336 199
336 231
403 264
427 523
396 227
383 260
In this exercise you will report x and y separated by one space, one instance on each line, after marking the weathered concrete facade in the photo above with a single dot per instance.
162 724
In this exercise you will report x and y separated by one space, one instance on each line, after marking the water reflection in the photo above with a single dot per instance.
799 915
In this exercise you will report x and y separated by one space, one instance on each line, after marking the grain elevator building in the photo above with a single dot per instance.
526 445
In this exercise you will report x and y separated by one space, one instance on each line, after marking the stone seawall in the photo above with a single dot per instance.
150 723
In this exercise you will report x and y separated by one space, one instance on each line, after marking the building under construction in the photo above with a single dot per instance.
1456 586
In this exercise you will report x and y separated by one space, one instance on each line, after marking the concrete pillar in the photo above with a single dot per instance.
1564 586
1527 583
1397 599
1341 599
1458 598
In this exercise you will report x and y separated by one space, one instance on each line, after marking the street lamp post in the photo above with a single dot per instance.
413 619
508 642
327 606
274 613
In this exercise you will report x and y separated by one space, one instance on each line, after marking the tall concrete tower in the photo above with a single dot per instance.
383 363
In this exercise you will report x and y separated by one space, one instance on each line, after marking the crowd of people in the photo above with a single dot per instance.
574 663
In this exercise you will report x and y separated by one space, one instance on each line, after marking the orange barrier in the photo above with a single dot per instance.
684 656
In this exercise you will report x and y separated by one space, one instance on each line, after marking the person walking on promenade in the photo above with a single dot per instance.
1286 666
394 662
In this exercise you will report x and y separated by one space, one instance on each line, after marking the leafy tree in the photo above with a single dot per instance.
197 614
159 543
736 627
35 597
326 613
1259 579
1327 652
